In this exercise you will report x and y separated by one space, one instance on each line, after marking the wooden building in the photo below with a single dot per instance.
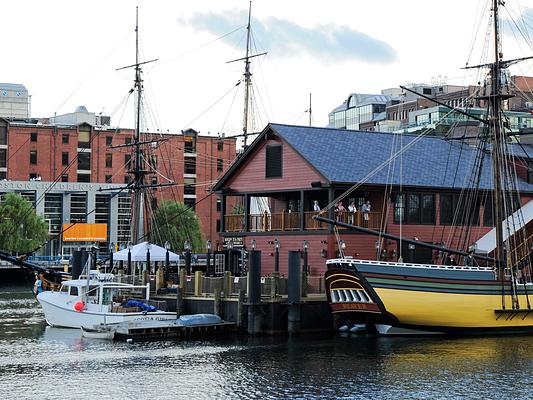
416 186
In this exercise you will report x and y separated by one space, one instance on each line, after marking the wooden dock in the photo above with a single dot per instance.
169 330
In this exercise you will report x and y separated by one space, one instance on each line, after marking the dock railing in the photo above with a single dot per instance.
207 285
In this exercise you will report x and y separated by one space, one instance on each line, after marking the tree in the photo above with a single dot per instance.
23 230
175 222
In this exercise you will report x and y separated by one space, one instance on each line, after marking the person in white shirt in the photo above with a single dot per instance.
365 208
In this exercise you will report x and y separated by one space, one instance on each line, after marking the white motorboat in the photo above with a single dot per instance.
98 300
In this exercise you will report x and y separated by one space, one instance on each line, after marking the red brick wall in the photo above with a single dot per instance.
49 147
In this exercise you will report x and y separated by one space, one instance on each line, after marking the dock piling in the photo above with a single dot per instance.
294 292
254 293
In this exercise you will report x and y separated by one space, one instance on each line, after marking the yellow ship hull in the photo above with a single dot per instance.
453 310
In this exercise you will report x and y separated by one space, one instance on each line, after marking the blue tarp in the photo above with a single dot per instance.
140 304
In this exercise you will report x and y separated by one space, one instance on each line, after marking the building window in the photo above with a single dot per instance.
218 225
191 203
414 208
219 205
33 157
33 176
84 178
127 140
109 141
273 162
189 143
153 161
459 210
220 145
64 178
108 178
220 164
64 138
3 175
154 180
64 158
3 158
33 137
3 135
84 161
189 186
190 165
127 160
84 139
109 160
127 179
530 172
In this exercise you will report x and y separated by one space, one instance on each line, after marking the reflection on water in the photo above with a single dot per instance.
39 362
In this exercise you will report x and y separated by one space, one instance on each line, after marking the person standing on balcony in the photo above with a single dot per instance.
316 206
340 211
352 209
365 208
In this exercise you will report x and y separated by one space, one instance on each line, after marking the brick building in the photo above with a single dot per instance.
98 154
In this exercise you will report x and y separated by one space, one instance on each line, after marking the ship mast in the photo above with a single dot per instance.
138 171
247 78
495 103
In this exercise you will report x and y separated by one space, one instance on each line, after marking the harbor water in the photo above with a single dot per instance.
39 362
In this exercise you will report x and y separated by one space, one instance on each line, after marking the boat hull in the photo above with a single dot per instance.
427 300
65 316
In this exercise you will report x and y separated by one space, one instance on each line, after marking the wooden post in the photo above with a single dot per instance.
240 308
179 301
182 278
159 279
198 283
216 302
227 283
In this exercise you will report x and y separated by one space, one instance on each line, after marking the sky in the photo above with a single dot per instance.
67 53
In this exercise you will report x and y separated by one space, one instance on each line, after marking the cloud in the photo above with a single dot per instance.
285 38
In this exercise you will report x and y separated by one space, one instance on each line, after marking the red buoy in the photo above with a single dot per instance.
79 306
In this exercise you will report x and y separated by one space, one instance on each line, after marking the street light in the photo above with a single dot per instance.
208 257
306 267
148 247
277 246
167 260
129 258
254 244
111 248
187 247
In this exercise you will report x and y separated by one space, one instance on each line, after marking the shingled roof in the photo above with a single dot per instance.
350 156
345 156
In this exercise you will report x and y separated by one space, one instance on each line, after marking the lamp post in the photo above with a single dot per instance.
275 275
187 247
376 245
111 248
229 246
167 261
129 258
277 246
208 258
305 269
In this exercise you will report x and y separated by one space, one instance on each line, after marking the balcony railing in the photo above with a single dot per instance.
286 222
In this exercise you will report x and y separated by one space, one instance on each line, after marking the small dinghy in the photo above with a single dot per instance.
99 332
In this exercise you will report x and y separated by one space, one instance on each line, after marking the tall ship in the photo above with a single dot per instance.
488 292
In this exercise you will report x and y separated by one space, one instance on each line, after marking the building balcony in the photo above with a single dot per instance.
290 221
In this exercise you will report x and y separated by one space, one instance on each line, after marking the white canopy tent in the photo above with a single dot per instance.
138 253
